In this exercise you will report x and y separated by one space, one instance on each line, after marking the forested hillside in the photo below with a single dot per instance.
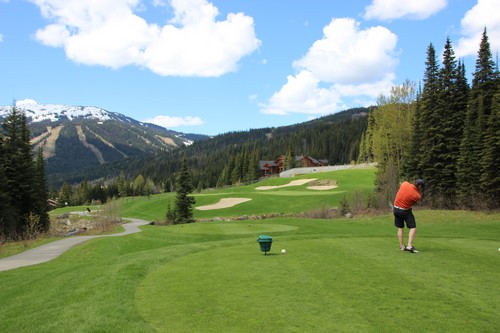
233 157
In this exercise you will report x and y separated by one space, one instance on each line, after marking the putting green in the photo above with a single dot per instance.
231 228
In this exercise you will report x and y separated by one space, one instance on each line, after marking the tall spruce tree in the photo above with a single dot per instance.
473 161
449 116
490 162
5 216
41 191
429 118
19 170
184 202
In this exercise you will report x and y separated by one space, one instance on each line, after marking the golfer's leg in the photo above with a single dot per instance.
411 236
401 237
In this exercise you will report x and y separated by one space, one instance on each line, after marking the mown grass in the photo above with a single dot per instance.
286 200
338 275
342 275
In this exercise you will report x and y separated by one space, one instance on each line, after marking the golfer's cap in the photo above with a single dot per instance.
419 182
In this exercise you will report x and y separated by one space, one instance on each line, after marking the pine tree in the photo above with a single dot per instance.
122 186
366 154
184 202
19 171
490 162
473 161
290 159
41 192
6 221
429 118
450 114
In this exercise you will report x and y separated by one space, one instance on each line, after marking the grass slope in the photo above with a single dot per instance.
343 276
293 199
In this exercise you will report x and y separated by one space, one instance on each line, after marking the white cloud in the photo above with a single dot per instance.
347 64
348 55
1 38
112 34
394 9
486 13
26 102
169 122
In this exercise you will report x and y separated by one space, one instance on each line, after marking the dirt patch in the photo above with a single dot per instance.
224 203
167 141
47 141
297 182
94 149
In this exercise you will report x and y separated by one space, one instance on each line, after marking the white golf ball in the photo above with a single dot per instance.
283 251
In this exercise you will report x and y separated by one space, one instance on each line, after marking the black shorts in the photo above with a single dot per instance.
401 216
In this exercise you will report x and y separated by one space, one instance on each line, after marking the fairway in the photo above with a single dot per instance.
326 283
344 275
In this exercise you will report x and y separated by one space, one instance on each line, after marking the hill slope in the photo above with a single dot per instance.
75 138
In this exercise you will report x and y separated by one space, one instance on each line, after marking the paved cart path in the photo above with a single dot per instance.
52 250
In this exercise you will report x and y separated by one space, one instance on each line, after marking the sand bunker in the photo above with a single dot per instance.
323 185
320 185
321 188
224 203
292 183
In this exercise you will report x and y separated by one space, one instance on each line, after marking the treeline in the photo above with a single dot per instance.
23 185
233 158
446 133
100 192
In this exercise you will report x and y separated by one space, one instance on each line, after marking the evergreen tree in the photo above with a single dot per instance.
429 118
65 195
450 114
290 158
473 160
122 186
184 202
5 212
41 191
490 161
19 171
366 153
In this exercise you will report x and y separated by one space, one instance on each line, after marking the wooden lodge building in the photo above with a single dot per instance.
272 168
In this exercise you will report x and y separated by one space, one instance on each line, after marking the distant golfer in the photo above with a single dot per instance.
407 196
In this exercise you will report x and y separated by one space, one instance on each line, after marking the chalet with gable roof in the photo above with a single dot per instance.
272 168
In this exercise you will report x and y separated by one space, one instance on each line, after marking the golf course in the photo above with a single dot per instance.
338 274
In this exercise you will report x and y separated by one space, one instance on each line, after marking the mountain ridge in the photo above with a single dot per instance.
74 138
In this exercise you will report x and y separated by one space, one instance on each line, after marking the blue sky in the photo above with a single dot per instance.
212 67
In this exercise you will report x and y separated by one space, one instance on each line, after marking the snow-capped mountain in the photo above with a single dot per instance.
53 113
36 112
76 138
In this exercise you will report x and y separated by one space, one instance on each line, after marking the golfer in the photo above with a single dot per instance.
407 196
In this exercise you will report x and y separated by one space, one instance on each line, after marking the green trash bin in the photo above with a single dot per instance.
265 243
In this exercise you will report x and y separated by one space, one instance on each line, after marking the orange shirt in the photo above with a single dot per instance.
407 196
